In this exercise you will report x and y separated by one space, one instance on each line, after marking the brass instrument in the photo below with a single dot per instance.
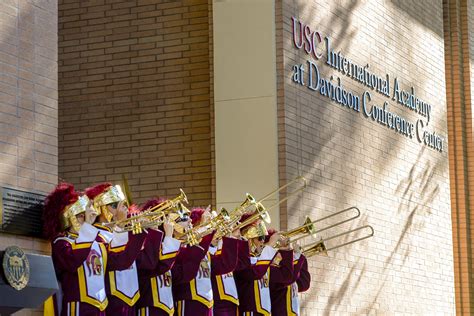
220 223
177 212
274 192
126 188
217 222
315 248
148 218
309 229
226 222
291 236
320 246
262 212
233 217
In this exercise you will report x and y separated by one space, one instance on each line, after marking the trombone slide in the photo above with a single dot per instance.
320 246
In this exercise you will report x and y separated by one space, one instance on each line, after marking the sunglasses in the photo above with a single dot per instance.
183 218
261 238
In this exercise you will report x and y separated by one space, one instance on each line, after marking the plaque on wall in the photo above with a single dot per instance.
16 267
20 212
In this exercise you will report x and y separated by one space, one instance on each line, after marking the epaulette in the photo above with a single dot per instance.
100 226
65 238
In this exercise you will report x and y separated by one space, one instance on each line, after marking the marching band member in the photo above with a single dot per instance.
253 280
192 286
123 248
226 298
284 295
156 297
79 260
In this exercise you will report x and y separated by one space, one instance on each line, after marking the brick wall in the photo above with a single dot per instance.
28 105
400 185
134 96
28 102
211 102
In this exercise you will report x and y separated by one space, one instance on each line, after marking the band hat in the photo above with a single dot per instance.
104 194
152 203
269 234
56 211
74 209
113 194
196 215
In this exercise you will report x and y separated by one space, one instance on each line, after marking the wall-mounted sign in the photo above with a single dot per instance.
20 212
318 47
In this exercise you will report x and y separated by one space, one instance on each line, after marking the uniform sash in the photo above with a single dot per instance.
161 285
263 301
225 283
91 277
201 286
261 287
124 283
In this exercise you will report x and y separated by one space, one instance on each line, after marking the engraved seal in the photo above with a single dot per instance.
16 267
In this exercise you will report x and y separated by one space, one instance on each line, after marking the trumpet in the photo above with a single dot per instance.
320 246
217 222
149 218
224 222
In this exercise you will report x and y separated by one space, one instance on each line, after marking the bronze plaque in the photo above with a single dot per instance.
21 211
16 267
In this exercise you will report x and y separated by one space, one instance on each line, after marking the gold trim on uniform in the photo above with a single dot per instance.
83 287
289 309
115 292
156 297
195 296
222 294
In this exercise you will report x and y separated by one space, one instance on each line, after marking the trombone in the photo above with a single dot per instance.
320 247
151 217
308 228
226 222
261 211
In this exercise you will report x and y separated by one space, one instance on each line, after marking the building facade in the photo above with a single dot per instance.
370 101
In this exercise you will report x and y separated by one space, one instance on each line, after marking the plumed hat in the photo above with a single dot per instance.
60 209
152 203
103 194
196 215
269 234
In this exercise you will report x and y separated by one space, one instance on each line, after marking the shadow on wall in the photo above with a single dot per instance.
28 95
418 182
414 193
410 8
